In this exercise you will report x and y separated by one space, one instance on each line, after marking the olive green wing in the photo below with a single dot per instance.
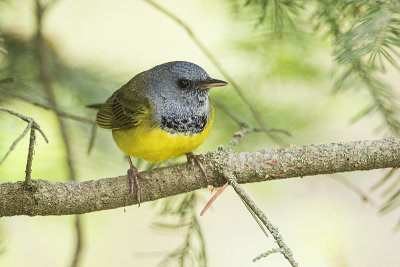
123 110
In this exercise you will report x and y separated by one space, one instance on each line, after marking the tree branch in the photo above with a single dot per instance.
46 80
56 198
44 106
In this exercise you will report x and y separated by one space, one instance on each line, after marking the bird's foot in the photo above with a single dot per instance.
192 158
134 177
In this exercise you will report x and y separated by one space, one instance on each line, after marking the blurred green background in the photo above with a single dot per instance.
97 46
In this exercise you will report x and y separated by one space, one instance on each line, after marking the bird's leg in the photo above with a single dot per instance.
192 158
133 174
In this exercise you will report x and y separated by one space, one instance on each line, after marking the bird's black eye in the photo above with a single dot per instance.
184 83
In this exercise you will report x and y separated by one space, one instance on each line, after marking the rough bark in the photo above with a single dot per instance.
57 198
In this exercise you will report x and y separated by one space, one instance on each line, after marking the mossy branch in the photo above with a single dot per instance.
57 198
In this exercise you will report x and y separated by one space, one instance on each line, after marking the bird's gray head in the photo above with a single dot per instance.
179 91
180 79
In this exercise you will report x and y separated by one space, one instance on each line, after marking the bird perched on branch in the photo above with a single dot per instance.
161 113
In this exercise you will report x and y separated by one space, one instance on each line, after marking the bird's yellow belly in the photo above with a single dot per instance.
155 144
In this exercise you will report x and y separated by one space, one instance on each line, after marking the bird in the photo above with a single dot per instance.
161 113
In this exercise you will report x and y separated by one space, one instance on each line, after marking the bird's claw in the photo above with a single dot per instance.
134 176
195 158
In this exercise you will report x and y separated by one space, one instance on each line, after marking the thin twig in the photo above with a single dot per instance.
45 78
29 159
32 125
16 141
7 80
38 104
244 124
93 133
79 241
285 250
255 218
235 140
266 254
240 91
257 214
273 130
231 114
27 119
3 50
353 187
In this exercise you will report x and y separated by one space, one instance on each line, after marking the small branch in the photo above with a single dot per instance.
236 138
243 124
7 80
93 133
231 114
266 254
79 241
32 125
353 187
41 105
27 119
255 218
16 141
284 249
45 79
273 130
56 198
28 169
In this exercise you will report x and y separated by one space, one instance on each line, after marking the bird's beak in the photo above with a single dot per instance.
210 83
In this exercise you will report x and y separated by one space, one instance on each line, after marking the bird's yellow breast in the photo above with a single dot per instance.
154 144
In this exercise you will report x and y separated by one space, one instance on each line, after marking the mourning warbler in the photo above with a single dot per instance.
160 113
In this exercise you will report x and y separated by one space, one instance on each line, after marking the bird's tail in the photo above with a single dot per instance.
94 106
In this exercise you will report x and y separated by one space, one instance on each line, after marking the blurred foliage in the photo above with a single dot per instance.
2 49
178 215
363 50
77 85
278 15
366 38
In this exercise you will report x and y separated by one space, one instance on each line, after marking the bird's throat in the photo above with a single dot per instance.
184 123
